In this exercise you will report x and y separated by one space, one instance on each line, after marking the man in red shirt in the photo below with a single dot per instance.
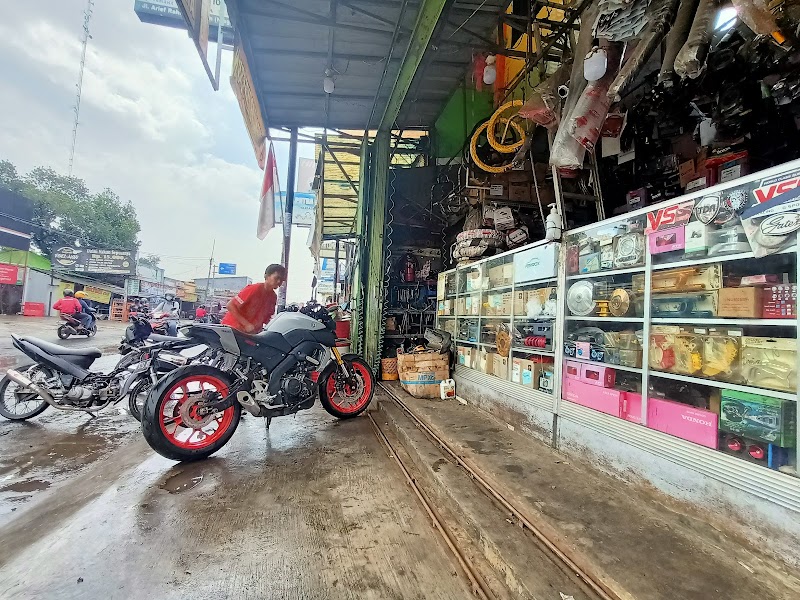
68 305
253 307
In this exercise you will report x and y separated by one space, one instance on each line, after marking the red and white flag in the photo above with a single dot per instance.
270 187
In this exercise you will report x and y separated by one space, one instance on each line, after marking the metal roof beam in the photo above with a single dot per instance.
427 18
304 16
278 52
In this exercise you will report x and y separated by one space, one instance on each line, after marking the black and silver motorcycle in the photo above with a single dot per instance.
193 411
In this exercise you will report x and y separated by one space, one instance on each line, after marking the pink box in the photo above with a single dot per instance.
597 375
632 407
667 240
686 422
605 400
572 369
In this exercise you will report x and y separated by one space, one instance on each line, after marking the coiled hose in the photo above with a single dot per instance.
489 127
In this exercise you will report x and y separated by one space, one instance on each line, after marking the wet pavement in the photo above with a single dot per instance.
312 508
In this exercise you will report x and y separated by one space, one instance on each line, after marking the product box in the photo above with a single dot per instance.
696 238
754 451
597 375
667 240
606 400
486 362
474 281
583 350
770 363
500 366
722 354
546 378
494 302
461 306
686 172
507 304
519 191
631 407
523 371
780 301
758 417
686 422
572 369
474 358
501 275
461 355
520 300
742 302
531 373
589 263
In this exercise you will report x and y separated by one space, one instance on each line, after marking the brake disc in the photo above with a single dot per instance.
189 413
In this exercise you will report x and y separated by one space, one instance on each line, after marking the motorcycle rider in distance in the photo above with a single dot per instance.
69 305
201 314
173 307
86 316
254 306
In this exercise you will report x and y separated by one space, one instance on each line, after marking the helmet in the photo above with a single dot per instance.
80 294
68 293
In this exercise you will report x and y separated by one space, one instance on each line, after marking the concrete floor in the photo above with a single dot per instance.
314 508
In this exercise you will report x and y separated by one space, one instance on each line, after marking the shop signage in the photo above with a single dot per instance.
535 263
132 287
82 260
776 185
96 294
671 216
244 90
9 274
167 13
227 268
304 210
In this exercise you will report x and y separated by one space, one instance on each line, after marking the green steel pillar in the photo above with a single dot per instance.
374 291
361 231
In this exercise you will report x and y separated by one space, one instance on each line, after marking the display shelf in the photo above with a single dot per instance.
446 316
537 281
499 288
529 350
606 272
724 385
488 345
724 321
543 318
609 365
713 259
466 342
495 317
606 319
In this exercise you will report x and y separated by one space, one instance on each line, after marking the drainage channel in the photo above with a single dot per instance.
556 550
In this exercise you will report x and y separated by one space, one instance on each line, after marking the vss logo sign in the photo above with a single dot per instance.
776 185
671 216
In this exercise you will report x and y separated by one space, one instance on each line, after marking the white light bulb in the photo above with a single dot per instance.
595 64
489 74
328 85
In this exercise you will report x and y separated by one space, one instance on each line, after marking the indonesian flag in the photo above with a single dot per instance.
270 187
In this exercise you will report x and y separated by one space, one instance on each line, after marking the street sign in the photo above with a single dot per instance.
227 269
92 260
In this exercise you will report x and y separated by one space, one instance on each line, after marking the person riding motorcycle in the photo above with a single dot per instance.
173 307
86 317
69 305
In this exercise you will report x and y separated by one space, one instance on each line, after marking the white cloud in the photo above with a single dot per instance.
151 128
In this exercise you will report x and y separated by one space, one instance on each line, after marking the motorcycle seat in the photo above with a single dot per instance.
57 350
154 337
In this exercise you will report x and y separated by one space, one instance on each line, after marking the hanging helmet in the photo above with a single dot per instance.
68 293
80 294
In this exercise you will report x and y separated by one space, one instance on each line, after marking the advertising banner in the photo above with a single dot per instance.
92 260
305 205
96 294
9 274
244 90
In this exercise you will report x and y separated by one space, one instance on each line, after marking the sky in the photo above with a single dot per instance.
151 128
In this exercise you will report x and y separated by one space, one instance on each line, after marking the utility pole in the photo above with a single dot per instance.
210 268
87 15
287 217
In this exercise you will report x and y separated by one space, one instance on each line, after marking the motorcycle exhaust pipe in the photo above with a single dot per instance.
23 381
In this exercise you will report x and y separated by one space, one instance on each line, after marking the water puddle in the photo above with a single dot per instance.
30 485
180 482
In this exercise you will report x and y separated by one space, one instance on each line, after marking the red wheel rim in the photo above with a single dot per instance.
172 425
345 400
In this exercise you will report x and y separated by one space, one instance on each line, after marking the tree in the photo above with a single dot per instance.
150 260
66 213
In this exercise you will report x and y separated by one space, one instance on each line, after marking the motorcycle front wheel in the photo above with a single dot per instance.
171 423
19 404
138 397
343 399
63 333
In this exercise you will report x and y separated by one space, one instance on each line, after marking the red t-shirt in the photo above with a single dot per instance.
68 305
257 303
200 313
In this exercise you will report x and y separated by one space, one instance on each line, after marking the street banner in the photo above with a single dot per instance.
92 260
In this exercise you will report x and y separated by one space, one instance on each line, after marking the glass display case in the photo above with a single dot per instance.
681 328
501 312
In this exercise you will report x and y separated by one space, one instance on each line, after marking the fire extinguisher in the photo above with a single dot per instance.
408 269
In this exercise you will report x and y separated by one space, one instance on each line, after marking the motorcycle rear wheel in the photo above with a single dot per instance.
92 330
34 404
138 397
162 420
63 333
340 399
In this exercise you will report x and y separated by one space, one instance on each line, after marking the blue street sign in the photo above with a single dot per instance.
227 269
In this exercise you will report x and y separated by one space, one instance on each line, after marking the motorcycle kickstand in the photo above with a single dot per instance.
267 422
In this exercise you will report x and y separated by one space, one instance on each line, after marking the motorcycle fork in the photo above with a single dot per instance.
341 364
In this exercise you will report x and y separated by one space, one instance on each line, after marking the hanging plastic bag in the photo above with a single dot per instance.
691 59
542 106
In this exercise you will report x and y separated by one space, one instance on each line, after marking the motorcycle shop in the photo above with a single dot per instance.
595 200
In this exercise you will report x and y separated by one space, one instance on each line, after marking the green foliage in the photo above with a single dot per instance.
66 213
150 260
